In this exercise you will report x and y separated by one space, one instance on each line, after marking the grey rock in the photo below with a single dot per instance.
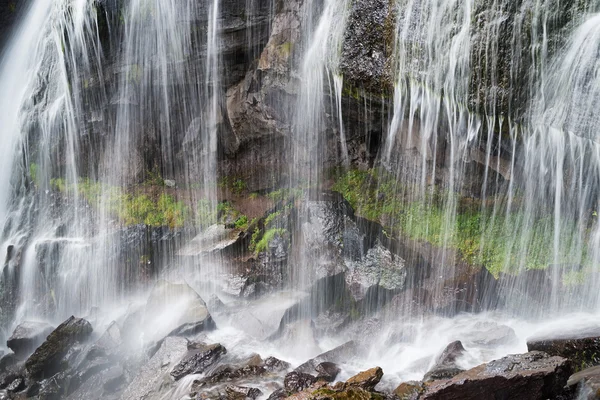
445 366
197 360
27 336
46 360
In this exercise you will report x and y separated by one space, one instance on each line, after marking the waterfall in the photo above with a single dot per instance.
416 173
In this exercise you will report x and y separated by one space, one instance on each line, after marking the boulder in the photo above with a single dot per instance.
531 376
341 353
295 381
587 383
46 360
197 360
327 371
491 334
27 336
242 393
366 380
445 366
409 390
273 364
175 309
8 361
583 352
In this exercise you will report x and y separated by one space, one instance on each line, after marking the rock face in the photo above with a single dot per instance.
45 361
368 45
197 360
531 376
445 366
28 336
583 352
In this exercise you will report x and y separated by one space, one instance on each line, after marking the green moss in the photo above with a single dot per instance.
480 237
242 222
131 208
269 235
33 173
206 215
271 217
254 239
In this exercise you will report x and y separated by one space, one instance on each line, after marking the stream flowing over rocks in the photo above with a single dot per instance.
298 199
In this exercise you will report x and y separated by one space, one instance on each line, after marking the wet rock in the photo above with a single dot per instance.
341 353
366 380
583 352
114 380
587 383
214 239
531 376
491 334
28 336
409 390
380 269
107 344
241 392
215 304
46 360
226 373
368 44
8 361
14 383
275 365
152 374
197 360
327 371
278 395
254 288
298 381
175 309
445 366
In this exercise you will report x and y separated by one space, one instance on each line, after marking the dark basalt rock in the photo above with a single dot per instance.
531 376
327 371
298 381
368 44
583 352
28 336
46 360
445 366
197 360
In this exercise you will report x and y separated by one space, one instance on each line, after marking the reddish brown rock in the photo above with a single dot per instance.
531 376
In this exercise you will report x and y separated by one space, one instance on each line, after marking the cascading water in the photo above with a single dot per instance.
476 160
